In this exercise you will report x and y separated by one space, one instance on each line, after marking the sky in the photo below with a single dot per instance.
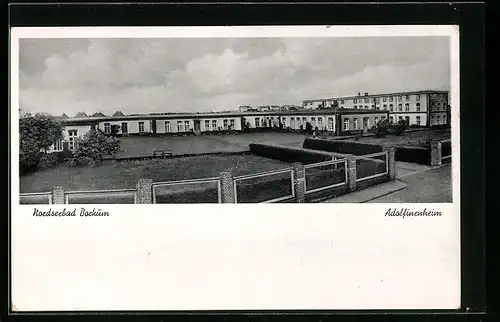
219 74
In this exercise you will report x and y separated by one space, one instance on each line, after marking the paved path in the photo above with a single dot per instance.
430 186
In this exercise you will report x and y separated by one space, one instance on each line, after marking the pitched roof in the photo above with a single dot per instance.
64 116
118 113
80 115
98 114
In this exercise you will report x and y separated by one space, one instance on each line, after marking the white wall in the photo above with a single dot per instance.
412 116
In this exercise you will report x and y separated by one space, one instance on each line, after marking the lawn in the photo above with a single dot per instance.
144 146
124 175
407 139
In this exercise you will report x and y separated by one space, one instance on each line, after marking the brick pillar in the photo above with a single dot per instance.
435 153
58 196
227 188
391 161
351 173
144 191
299 182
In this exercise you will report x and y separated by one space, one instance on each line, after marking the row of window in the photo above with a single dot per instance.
296 122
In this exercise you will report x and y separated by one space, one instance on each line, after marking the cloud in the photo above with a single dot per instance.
160 75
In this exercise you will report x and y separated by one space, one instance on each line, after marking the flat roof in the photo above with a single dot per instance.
376 95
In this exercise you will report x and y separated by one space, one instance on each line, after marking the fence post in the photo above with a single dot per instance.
58 195
144 191
391 161
435 153
351 173
227 188
299 182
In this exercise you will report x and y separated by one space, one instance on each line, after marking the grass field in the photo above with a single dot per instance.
144 146
407 139
124 175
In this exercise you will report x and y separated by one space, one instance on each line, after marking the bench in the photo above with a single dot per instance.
162 153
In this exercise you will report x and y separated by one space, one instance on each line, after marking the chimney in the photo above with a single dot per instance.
359 93
366 94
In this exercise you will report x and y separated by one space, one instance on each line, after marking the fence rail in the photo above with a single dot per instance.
188 192
277 188
364 169
91 195
308 170
34 196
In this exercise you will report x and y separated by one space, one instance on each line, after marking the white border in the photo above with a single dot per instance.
260 256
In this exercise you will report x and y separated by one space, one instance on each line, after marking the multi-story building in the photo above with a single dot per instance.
424 108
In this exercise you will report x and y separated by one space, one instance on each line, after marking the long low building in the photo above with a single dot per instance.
340 121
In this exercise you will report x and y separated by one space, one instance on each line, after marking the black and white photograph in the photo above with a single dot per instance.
235 168
235 120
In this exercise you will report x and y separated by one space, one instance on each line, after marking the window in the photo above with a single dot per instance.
384 99
400 118
400 98
407 119
366 100
283 120
224 124
257 122
355 101
374 100
383 118
391 119
418 97
298 122
346 124
444 119
179 126
330 123
304 120
124 128
292 122
366 107
376 120
373 106
355 106
313 122
214 125
320 123
186 126
438 119
391 108
207 125
73 134
391 99
418 120
407 107
58 145
407 97
141 126
355 123
385 106
341 101
418 107
107 128
400 107
231 124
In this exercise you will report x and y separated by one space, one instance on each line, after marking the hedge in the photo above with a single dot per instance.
418 155
289 154
341 146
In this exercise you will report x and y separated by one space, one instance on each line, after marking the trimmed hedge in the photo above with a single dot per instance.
413 154
289 154
343 147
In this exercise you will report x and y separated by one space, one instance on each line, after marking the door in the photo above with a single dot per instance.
124 129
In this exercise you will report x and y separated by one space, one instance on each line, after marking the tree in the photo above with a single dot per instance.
36 134
94 146
400 127
381 128
115 128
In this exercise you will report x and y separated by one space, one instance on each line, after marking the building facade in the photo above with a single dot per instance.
421 108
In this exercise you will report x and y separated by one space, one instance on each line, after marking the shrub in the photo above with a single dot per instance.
47 160
289 154
426 143
381 128
94 146
400 127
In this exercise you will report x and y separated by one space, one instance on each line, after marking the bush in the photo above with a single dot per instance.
400 127
289 154
426 143
47 160
94 146
341 146
381 129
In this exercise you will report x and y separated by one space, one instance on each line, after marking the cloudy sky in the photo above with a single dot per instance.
169 75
